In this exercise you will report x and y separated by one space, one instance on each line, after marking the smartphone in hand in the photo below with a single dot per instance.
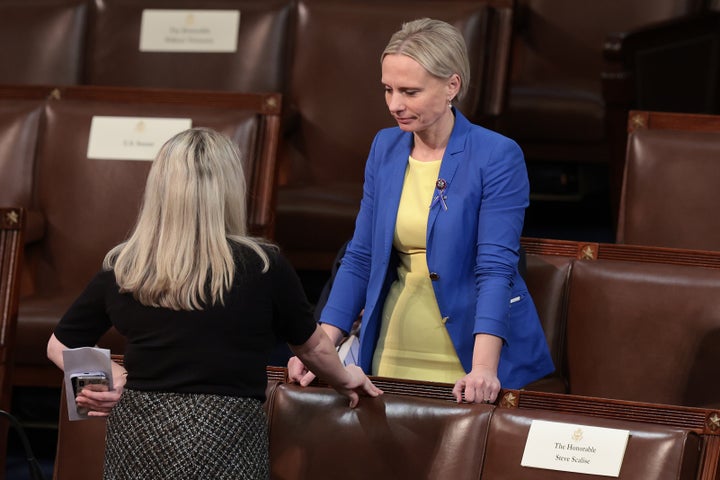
97 381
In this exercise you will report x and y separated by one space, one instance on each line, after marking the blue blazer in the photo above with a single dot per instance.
472 249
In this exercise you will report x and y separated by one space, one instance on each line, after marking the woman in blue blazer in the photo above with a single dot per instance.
452 269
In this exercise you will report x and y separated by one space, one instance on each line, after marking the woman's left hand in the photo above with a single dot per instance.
481 385
97 399
98 403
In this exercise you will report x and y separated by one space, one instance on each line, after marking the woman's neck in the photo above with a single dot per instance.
430 144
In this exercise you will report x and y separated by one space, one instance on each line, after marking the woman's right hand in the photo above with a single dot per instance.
358 382
299 373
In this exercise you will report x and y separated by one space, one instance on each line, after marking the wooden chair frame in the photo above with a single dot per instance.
12 222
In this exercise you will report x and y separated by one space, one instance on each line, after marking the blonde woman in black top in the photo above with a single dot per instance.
202 305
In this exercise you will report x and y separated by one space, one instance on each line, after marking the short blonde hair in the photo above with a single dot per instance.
178 255
436 45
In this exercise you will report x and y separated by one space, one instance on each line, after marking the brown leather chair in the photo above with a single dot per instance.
653 452
670 186
591 296
259 64
644 332
556 109
314 436
336 107
90 205
12 222
42 42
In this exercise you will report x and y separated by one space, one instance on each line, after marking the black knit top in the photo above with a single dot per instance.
222 349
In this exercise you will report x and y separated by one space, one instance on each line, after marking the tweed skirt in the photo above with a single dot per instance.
159 435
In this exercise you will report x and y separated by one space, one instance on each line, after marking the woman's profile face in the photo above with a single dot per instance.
416 99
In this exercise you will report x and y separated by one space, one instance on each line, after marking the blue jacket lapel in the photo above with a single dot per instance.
454 155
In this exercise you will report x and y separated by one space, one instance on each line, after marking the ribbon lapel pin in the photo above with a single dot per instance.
440 196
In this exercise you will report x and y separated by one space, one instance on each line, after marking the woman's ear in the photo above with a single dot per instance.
453 86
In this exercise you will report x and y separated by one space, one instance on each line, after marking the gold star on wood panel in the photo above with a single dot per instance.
12 217
714 422
510 400
588 253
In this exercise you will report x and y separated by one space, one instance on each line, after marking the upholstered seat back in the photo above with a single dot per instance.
653 452
670 188
258 63
315 436
49 34
644 332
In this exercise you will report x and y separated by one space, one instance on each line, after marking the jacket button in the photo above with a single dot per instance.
434 276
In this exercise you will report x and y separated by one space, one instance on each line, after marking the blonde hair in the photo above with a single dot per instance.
436 45
178 255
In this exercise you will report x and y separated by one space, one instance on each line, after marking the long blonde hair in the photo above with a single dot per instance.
179 256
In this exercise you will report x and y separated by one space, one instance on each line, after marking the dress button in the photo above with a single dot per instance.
434 276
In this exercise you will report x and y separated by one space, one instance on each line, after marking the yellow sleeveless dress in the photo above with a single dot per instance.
413 341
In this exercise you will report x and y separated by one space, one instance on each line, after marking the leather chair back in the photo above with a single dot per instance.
644 332
52 34
670 186
258 65
313 435
90 205
653 452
